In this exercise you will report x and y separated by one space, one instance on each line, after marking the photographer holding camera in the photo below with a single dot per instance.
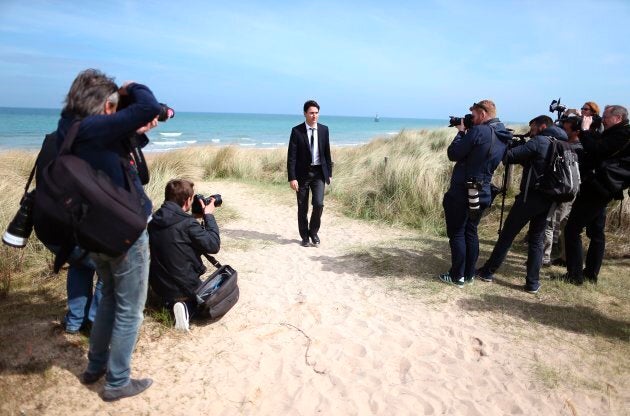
477 150
530 206
177 242
609 154
102 142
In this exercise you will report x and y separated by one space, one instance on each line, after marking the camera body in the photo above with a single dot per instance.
555 106
197 208
456 121
166 112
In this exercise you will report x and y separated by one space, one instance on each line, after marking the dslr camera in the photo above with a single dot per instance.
166 112
197 208
456 121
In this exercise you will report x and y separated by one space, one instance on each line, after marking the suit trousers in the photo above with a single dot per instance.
588 211
315 184
534 211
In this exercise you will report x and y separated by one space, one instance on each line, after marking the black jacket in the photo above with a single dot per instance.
299 153
177 243
532 155
601 147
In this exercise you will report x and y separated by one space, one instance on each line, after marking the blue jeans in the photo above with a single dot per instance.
119 316
535 212
82 303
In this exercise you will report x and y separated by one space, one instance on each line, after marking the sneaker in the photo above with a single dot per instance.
131 389
469 280
446 278
181 316
532 291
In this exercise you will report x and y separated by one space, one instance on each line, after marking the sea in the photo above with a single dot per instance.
25 128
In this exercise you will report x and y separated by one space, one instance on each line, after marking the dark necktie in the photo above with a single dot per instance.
312 140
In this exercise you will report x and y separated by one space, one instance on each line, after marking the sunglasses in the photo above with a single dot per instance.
477 105
586 109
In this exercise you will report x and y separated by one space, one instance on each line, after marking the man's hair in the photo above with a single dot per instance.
618 110
574 122
89 92
540 120
309 104
178 191
487 106
593 106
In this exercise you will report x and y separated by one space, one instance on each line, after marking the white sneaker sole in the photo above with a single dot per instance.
181 316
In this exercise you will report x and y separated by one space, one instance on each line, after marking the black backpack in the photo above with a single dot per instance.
84 203
560 180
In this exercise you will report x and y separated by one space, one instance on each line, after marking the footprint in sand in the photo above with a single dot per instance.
478 348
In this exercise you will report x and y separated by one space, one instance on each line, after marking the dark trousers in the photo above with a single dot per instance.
462 234
588 211
534 211
315 184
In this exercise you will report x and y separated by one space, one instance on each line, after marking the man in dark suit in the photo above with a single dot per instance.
309 166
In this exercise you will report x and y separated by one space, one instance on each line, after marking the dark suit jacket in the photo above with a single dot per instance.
299 155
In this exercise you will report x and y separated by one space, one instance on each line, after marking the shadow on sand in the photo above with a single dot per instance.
574 318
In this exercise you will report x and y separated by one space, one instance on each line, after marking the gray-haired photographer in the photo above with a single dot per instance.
93 189
477 150
609 154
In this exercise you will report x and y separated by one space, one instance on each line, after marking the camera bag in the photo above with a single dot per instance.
560 180
102 216
219 291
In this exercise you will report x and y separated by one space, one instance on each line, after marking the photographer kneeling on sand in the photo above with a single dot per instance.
177 243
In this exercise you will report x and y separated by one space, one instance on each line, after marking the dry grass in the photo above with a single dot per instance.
396 180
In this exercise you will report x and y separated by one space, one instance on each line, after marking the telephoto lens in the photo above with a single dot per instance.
20 228
473 198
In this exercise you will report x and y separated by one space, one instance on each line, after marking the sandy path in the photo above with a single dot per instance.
308 338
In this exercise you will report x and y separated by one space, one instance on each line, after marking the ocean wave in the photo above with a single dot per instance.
215 140
172 134
247 144
174 142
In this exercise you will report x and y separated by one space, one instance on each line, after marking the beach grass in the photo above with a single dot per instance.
397 180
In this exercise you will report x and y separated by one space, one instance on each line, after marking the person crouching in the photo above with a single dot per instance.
177 243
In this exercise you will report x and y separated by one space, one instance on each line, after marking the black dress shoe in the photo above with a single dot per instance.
304 242
315 239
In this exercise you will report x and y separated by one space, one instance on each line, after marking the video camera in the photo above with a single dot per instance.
197 208
456 121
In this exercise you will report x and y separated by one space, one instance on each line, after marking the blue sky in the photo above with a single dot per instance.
421 59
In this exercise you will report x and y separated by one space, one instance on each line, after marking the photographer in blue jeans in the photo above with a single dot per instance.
102 141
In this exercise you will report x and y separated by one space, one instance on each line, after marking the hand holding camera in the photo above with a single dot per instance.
205 205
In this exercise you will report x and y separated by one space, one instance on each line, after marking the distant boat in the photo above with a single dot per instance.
177 134
376 119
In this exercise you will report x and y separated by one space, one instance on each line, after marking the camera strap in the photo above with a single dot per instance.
212 260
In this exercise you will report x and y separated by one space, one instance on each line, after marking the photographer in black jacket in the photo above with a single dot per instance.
609 153
177 243
530 206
